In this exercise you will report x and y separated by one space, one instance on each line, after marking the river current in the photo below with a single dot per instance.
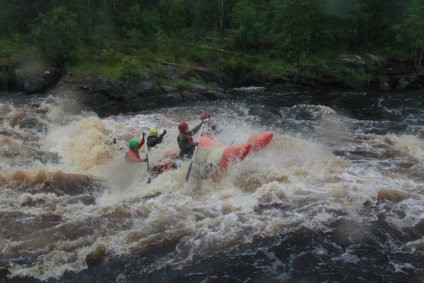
337 196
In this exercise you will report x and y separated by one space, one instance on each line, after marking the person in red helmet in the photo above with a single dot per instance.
210 128
185 138
134 146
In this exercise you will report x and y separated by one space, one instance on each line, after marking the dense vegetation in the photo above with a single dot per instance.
89 36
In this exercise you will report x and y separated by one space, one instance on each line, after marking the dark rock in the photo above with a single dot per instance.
30 79
4 271
403 83
143 88
375 60
167 88
168 99
354 83
96 256
4 77
410 81
198 88
173 72
350 60
384 86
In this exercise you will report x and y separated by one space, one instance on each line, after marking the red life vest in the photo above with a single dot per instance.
132 155
189 141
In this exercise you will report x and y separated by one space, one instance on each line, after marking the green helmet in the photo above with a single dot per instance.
133 143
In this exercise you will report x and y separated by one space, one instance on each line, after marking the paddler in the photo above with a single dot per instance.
132 154
210 129
185 138
154 138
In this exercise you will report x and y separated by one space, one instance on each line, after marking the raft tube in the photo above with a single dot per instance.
259 141
232 154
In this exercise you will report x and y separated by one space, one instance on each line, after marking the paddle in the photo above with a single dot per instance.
149 178
194 154
120 148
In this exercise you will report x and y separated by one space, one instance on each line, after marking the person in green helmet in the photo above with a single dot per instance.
134 146
154 139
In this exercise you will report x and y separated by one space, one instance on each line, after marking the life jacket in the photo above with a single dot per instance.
152 141
189 141
129 156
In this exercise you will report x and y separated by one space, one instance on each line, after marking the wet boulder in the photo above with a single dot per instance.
96 256
34 77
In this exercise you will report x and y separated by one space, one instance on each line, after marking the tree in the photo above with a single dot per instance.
295 23
249 24
58 35
410 33
8 26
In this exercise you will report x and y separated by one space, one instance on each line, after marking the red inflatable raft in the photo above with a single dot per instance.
231 155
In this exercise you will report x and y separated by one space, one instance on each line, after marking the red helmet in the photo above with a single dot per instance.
204 116
182 127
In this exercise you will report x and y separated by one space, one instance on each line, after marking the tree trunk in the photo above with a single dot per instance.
221 18
89 17
197 19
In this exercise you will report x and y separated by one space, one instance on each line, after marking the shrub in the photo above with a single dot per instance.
129 70
58 35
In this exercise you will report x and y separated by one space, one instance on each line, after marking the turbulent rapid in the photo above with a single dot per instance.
337 196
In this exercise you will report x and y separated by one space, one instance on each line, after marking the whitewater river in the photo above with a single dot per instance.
337 196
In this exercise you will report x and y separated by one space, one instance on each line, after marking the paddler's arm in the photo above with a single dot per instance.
141 143
195 130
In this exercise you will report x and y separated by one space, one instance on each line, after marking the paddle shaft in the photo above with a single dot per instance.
194 154
147 162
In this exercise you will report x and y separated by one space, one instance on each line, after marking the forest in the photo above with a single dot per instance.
270 35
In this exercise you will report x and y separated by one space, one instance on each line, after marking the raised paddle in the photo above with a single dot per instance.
120 148
149 178
194 154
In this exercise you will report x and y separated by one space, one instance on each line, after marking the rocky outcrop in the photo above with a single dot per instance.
170 86
113 96
33 77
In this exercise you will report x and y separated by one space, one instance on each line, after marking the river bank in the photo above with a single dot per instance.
171 85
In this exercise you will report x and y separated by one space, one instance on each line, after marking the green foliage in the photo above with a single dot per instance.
211 86
8 48
58 35
274 36
239 65
354 73
196 80
129 70
181 85
8 25
110 55
249 23
177 14
272 67
420 70
88 68
411 31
